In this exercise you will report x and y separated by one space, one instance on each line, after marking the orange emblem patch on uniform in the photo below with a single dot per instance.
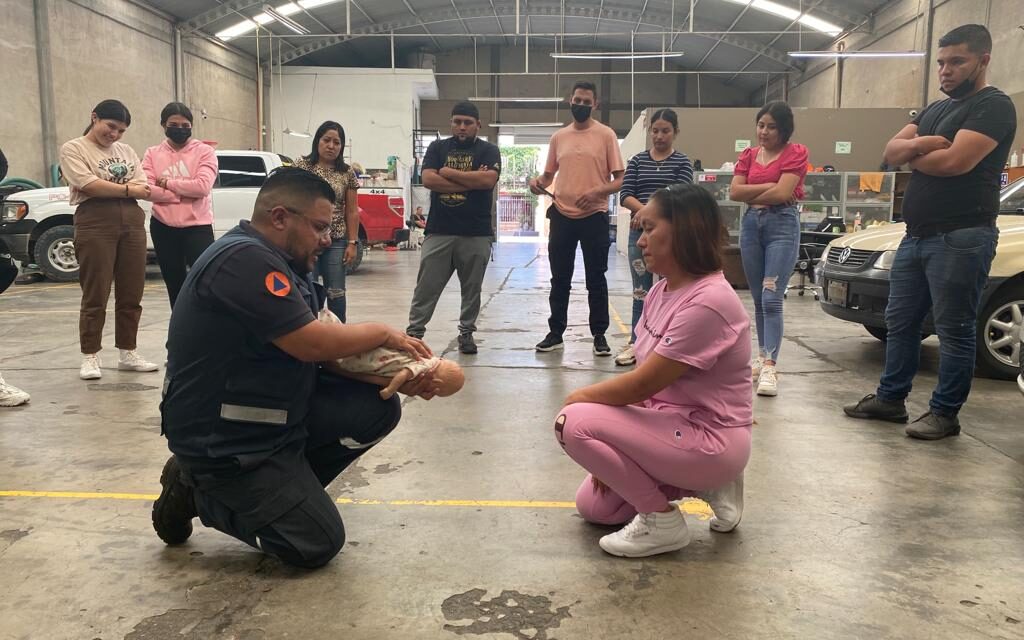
277 284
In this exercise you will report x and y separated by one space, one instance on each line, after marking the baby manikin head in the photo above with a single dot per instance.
451 377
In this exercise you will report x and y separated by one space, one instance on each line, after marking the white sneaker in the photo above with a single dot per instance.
768 381
727 503
11 396
755 369
90 367
132 361
648 534
626 357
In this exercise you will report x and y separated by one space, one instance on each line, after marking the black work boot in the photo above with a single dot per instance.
871 407
174 509
932 426
466 343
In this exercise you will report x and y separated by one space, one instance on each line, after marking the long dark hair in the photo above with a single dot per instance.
175 109
669 116
783 117
111 110
698 232
314 154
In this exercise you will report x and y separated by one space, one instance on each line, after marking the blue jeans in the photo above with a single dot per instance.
643 279
769 246
944 273
331 267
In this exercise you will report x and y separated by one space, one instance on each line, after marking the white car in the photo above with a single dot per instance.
36 226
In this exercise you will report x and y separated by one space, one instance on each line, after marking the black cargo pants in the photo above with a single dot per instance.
279 506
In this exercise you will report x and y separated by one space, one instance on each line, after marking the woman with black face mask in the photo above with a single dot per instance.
181 171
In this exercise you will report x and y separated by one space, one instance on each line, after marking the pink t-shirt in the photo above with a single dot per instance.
704 325
582 159
792 160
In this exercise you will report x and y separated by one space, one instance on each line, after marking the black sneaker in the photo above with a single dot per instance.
932 426
871 408
466 343
601 347
550 342
174 509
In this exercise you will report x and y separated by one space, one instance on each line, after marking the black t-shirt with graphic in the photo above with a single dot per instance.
935 204
467 213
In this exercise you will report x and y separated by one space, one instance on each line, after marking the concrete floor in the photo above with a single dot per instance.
851 529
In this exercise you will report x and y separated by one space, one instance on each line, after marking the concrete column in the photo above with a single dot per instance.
47 98
179 66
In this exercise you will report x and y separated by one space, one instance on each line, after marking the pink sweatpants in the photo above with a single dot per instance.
646 457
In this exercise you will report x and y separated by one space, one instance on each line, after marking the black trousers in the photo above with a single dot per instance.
591 233
280 506
177 249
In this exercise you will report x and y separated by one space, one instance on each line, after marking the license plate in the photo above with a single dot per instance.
836 292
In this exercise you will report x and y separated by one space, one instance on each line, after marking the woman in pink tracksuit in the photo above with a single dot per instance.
679 424
181 172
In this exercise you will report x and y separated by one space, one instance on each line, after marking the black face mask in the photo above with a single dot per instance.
178 135
580 112
965 88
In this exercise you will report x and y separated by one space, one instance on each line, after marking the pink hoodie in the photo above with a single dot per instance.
190 172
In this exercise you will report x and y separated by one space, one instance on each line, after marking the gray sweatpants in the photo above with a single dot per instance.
441 256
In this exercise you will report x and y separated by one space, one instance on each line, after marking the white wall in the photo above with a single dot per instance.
377 108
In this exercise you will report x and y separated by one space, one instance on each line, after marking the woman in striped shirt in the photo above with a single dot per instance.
648 171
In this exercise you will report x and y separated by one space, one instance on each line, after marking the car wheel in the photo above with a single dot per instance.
879 332
55 253
1000 333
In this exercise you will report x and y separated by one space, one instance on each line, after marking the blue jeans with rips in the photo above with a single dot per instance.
331 267
943 273
643 279
769 246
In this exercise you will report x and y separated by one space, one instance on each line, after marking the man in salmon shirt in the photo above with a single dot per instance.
585 156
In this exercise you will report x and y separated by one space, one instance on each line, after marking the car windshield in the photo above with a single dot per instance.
1011 199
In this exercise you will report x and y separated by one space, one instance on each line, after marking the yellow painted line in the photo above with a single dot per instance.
692 507
624 328
78 495
39 312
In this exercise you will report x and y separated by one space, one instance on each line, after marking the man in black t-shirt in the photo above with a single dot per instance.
256 427
957 148
460 172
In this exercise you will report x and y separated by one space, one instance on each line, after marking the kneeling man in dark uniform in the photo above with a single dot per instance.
256 426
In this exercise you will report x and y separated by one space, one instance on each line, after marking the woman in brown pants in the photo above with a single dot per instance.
106 181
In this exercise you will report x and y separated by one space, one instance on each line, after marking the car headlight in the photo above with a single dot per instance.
885 260
13 211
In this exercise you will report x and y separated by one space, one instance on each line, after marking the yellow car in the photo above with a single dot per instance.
854 278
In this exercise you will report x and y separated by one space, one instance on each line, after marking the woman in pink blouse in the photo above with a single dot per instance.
769 178
679 424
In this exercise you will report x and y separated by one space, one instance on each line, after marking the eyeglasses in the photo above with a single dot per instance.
321 229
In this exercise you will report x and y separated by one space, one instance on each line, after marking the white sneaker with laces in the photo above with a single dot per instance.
755 369
90 367
11 396
727 503
626 357
768 381
648 534
132 361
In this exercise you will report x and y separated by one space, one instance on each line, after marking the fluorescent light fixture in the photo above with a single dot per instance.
790 13
857 54
775 8
488 99
820 25
507 125
604 55
291 8
297 134
285 20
